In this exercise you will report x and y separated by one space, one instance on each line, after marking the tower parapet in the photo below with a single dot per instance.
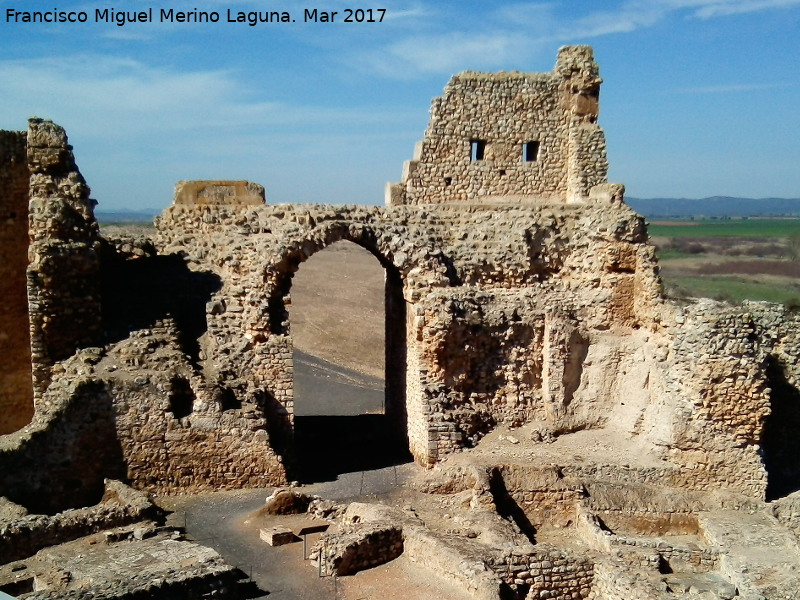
511 137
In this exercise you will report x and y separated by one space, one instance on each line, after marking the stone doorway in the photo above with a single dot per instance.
347 321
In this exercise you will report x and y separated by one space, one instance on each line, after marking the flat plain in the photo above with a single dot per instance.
730 260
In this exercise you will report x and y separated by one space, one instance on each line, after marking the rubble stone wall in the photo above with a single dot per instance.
349 551
60 460
549 572
502 135
476 302
499 311
64 268
16 392
26 535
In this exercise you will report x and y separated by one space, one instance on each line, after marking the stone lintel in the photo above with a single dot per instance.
201 193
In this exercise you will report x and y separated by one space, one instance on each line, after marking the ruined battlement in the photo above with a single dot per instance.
520 137
200 193
520 288
521 294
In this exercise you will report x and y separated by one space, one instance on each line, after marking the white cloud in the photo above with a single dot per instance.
732 88
707 9
99 94
138 128
517 32
427 54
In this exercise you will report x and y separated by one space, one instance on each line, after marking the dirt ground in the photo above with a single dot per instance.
229 522
337 309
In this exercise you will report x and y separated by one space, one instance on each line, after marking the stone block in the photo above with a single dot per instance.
219 192
277 536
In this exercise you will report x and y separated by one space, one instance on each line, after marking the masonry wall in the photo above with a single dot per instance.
511 136
514 312
489 320
64 268
16 392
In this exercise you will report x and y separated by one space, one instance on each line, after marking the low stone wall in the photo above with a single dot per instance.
542 493
355 548
618 581
550 573
454 558
24 536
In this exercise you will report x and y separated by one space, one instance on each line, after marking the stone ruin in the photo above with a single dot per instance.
522 301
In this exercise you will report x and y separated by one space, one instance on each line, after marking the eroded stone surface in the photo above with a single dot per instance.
530 351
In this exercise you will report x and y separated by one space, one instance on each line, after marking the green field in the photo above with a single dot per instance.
744 228
708 259
736 289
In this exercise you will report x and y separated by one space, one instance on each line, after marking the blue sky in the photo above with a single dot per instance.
700 96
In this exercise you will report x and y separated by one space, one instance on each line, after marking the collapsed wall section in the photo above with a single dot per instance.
16 393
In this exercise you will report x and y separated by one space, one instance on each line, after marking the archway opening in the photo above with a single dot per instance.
780 443
347 321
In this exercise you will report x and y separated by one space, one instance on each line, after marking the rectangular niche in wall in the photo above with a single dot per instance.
530 151
477 149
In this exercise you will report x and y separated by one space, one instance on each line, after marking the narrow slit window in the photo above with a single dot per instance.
477 149
530 151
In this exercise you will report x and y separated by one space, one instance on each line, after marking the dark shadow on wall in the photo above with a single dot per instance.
279 426
781 442
64 465
507 507
327 447
137 292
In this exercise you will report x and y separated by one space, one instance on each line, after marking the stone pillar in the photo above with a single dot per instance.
64 270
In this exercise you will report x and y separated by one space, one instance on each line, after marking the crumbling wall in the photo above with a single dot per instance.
29 533
511 135
135 412
354 549
61 459
64 269
479 305
16 392
720 378
502 312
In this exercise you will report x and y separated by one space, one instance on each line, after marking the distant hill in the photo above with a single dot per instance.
108 217
716 206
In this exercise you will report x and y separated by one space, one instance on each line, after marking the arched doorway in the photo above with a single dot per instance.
347 321
780 444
